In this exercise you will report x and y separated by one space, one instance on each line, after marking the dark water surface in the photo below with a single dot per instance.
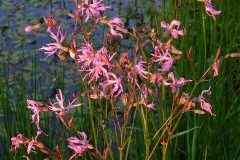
20 59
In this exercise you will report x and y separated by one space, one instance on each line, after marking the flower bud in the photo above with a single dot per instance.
28 29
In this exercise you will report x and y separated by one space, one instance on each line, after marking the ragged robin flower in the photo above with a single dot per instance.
16 141
94 9
31 28
165 59
116 26
79 145
138 69
94 64
36 108
145 91
52 48
209 8
175 84
115 83
215 67
172 29
59 108
205 105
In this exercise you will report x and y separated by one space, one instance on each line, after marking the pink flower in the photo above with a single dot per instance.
86 54
97 70
59 108
100 62
35 107
31 28
151 106
28 29
172 28
175 84
105 56
210 10
33 143
204 105
94 64
144 98
164 58
94 9
59 37
79 146
167 64
16 141
215 67
31 146
115 83
138 69
52 48
116 27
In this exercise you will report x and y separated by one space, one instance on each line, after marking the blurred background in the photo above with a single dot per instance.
25 73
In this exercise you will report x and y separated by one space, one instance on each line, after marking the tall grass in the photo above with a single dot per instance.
217 137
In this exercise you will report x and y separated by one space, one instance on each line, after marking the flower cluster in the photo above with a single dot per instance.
52 48
79 145
59 108
36 108
116 78
209 8
205 105
95 64
30 143
94 9
172 29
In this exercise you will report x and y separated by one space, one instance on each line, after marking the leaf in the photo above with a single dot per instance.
184 132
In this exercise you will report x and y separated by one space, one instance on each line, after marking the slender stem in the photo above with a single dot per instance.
165 146
204 37
154 148
117 125
91 109
129 138
145 131
107 140
194 138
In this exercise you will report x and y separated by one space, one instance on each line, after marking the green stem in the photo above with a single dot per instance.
92 123
91 110
130 137
145 132
193 153
204 37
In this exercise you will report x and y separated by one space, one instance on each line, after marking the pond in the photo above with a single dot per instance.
20 58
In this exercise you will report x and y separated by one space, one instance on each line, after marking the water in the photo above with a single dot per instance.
19 55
